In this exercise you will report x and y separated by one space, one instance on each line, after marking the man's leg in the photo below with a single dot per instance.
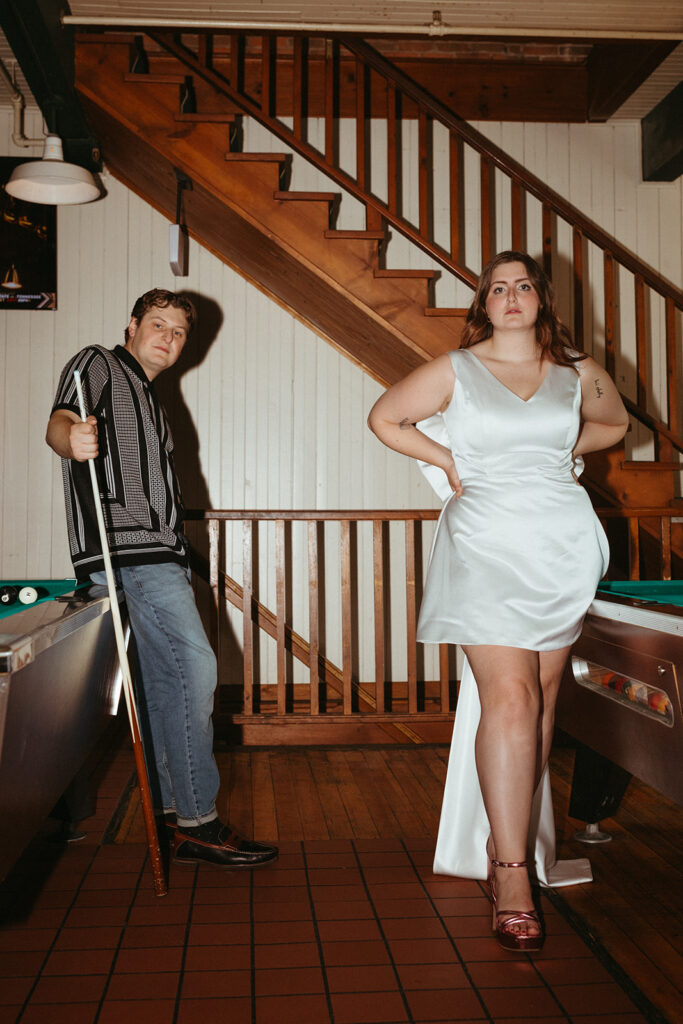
176 687
178 670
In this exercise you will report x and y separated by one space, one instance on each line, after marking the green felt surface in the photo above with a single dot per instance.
54 588
657 591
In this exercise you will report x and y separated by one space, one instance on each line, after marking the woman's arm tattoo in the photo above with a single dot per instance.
598 390
405 424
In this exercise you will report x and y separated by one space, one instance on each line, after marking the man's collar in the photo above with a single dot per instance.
124 355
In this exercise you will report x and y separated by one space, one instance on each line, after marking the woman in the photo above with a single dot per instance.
518 550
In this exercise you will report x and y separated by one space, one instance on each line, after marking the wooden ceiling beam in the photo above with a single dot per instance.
615 70
662 138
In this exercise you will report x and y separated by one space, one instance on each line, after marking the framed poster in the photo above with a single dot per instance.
28 249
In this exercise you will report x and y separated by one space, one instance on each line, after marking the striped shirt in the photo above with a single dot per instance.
141 499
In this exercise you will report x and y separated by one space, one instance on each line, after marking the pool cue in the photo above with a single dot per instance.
160 886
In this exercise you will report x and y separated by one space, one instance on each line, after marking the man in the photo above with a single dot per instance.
127 433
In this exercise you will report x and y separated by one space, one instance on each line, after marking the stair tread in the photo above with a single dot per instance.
152 79
350 233
310 197
445 311
264 158
405 273
209 117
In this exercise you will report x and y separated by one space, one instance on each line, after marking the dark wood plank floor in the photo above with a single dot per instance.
633 907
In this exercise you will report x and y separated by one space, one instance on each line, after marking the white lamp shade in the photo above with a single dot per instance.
51 180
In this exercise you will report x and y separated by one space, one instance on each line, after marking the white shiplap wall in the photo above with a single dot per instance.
278 415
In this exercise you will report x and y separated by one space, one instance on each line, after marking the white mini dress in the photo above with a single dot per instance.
515 561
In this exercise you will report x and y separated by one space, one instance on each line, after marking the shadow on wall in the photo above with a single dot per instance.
194 487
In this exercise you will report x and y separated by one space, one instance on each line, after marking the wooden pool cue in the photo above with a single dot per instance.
160 886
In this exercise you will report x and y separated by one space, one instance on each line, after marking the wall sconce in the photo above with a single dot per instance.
178 241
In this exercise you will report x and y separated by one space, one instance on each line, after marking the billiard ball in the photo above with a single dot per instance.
659 701
8 595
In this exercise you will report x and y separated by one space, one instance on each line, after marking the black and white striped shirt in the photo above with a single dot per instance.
140 494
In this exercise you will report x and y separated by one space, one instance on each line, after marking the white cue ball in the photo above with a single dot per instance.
27 595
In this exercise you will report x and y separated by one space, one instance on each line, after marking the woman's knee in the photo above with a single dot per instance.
513 696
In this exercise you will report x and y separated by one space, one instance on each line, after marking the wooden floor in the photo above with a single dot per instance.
634 906
632 910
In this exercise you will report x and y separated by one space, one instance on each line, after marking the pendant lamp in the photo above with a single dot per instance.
51 180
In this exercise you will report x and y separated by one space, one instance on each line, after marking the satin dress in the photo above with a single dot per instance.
515 561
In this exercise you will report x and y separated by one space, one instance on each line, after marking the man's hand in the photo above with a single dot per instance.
83 440
72 438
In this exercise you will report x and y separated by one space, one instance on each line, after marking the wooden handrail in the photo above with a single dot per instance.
636 513
426 103
380 515
315 514
511 167
401 92
172 45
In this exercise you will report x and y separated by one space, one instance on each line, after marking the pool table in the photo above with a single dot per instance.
621 695
58 688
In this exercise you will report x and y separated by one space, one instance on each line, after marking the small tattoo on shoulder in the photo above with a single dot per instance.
598 390
405 424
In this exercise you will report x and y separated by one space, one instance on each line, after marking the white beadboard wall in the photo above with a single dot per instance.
271 416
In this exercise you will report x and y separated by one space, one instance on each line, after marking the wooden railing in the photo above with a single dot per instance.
330 690
642 524
387 571
264 75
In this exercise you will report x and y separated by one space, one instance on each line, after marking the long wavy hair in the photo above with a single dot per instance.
553 337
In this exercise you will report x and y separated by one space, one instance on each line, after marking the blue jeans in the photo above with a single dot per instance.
178 678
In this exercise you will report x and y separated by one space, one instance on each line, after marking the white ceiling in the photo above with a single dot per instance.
635 17
15 72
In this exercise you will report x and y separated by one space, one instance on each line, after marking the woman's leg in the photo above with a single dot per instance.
551 669
507 754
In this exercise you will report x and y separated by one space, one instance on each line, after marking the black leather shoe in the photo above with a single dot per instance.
218 844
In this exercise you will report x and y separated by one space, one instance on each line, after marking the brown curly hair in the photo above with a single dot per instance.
552 335
161 297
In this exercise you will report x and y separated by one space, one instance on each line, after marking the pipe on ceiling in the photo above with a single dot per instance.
436 28
17 101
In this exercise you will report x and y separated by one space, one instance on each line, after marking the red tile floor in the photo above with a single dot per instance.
337 932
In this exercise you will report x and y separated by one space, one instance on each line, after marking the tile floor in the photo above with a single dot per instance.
337 932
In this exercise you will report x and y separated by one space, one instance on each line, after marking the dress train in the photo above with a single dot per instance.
464 826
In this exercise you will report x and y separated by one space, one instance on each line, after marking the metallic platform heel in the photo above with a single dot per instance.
506 938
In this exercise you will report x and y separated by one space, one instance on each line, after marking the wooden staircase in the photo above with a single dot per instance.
283 241
170 103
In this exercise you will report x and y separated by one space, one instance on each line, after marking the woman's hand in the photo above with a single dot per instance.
453 479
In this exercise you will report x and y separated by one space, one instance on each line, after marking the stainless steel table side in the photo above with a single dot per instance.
58 676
